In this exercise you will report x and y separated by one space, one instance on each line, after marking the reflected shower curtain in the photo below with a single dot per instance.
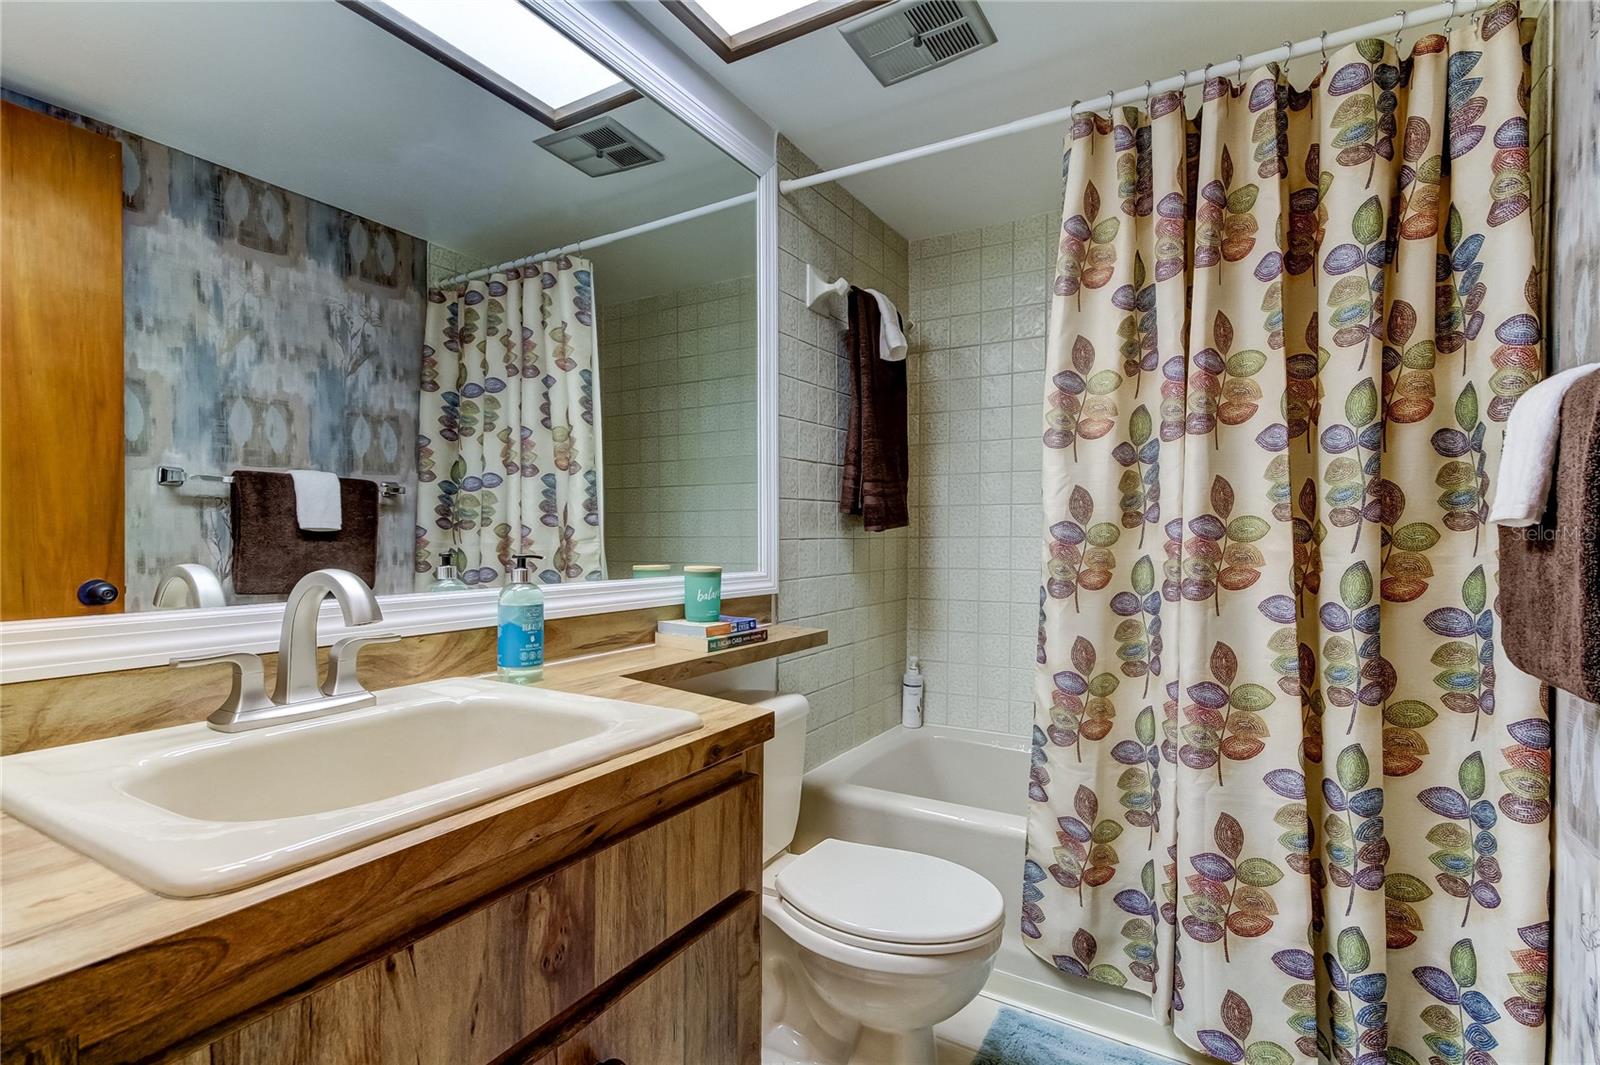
1283 781
508 451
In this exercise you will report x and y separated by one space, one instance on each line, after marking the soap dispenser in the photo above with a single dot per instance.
447 578
521 645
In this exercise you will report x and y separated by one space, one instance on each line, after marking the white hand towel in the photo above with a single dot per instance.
1527 461
891 338
316 501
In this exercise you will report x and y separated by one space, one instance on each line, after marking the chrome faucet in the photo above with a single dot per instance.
296 694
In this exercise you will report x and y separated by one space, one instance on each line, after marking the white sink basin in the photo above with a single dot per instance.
188 811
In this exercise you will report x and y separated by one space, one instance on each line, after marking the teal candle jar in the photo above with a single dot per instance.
702 593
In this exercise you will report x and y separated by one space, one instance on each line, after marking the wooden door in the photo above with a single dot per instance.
60 365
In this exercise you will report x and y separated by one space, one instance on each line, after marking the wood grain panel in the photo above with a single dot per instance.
474 988
49 713
692 1008
61 361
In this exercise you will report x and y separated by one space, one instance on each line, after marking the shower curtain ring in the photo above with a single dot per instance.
1205 80
1288 51
1451 19
1239 59
1147 95
1399 31
1111 94
1322 45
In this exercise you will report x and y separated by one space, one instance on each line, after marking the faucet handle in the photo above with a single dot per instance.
342 678
249 691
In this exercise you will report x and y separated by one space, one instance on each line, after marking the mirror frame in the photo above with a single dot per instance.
58 647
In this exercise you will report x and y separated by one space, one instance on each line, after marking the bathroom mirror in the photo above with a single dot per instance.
340 243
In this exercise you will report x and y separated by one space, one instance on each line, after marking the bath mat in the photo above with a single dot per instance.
1018 1038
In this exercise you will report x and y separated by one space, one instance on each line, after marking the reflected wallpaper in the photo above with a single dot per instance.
262 328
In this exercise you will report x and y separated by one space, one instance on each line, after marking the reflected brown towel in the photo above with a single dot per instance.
1550 572
876 459
270 550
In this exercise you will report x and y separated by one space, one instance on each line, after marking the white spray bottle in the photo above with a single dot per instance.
911 695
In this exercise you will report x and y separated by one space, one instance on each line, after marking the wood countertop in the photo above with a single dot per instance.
80 941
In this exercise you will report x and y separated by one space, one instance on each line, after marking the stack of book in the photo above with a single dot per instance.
720 635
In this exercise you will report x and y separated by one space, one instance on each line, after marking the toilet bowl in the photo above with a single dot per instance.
864 949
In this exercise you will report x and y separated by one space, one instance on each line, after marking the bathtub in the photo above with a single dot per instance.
961 794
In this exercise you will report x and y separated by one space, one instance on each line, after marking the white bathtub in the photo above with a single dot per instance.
961 794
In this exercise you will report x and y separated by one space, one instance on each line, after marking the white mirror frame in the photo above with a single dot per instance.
58 647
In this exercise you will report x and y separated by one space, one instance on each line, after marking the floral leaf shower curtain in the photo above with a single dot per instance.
508 452
1283 782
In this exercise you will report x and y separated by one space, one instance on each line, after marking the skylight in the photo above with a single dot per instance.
735 29
516 45
733 17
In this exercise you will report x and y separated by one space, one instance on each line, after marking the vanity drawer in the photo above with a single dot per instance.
700 1005
477 987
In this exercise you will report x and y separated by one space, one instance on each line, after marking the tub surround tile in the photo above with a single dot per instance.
976 380
833 574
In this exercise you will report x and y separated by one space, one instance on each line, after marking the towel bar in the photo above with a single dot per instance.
176 476
818 291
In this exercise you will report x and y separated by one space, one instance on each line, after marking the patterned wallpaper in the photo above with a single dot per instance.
1573 280
262 328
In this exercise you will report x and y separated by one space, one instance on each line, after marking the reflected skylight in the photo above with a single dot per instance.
517 45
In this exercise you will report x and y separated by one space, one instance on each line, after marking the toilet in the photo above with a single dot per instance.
864 949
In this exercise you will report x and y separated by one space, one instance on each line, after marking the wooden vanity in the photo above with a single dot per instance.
609 915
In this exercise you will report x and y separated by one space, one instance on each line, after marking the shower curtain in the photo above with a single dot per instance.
1283 782
508 451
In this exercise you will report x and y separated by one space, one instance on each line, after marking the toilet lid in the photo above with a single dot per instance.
890 896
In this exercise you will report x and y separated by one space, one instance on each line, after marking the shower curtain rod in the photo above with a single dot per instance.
607 238
1395 23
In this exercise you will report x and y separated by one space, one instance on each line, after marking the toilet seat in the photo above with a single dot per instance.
889 901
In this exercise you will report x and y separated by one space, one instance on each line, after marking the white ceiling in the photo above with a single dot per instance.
312 97
1048 53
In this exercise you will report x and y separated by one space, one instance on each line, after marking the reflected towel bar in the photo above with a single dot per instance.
177 476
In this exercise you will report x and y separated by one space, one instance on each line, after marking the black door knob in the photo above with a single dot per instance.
97 593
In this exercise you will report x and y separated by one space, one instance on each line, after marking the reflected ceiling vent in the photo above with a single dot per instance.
599 147
914 36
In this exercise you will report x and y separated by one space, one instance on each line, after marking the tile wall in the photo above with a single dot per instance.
833 574
978 298
678 423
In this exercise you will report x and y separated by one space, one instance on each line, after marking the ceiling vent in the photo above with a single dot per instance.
600 147
914 36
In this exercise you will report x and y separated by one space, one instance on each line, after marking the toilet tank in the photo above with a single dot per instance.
783 763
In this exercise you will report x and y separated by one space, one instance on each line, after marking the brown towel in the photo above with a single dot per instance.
270 550
876 462
1550 572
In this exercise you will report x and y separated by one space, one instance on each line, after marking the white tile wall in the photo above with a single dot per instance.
978 298
678 422
832 574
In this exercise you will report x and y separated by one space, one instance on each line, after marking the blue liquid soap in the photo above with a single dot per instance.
521 646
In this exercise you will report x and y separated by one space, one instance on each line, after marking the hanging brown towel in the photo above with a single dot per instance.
1550 572
270 550
876 457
